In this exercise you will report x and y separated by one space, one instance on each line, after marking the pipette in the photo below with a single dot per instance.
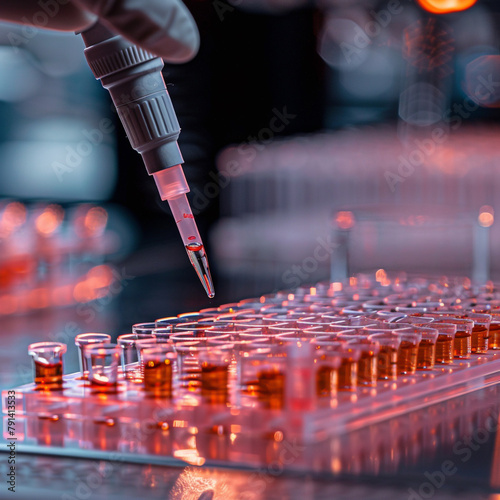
134 80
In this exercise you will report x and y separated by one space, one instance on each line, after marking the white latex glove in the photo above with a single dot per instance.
164 27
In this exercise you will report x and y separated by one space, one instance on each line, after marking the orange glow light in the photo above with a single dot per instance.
486 217
446 6
49 220
82 292
100 276
14 216
95 220
345 220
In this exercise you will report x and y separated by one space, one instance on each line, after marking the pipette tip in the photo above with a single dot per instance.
198 258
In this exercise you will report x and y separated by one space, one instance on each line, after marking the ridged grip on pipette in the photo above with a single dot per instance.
134 80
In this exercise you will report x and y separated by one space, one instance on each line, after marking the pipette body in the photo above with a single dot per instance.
134 80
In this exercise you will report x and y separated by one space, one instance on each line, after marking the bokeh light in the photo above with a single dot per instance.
446 6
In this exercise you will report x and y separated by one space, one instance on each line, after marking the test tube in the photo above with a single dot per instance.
262 377
129 356
48 364
415 320
259 322
327 362
387 359
181 337
332 331
171 321
234 329
214 373
389 316
159 365
188 365
408 351
387 327
311 321
291 327
349 354
198 329
445 342
163 334
144 328
298 335
427 348
102 361
204 370
495 333
462 346
355 321
480 331
494 330
84 339
142 344
367 364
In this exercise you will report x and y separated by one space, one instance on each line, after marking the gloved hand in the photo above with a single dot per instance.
164 27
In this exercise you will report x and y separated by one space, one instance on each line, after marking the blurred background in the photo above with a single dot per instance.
321 138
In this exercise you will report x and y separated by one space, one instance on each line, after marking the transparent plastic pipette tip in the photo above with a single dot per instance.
198 258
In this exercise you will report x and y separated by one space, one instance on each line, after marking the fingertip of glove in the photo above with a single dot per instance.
173 50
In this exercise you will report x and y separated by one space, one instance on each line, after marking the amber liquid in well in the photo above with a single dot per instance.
494 341
158 378
326 381
271 388
190 378
214 383
479 341
49 375
387 361
444 349
463 344
407 357
426 355
367 369
348 374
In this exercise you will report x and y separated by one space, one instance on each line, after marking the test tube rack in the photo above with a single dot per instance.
79 421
